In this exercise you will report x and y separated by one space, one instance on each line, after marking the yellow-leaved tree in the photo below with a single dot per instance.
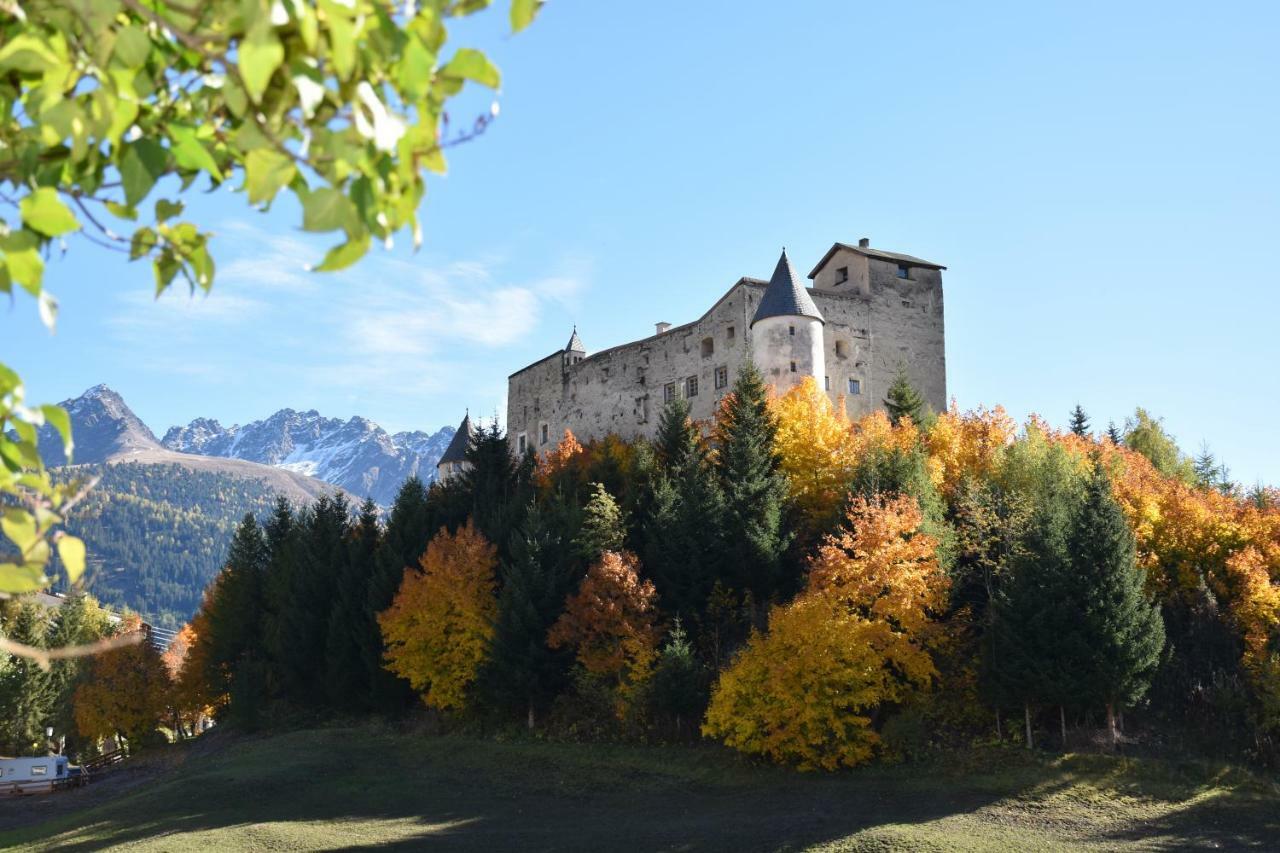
856 640
127 691
816 444
438 628
610 622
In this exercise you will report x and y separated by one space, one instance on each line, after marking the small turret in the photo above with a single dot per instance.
575 351
786 332
454 460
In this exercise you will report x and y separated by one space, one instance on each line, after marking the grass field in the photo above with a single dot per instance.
349 788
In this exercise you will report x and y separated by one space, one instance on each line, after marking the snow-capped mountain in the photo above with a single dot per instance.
357 454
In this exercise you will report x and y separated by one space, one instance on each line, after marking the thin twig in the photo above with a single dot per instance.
45 657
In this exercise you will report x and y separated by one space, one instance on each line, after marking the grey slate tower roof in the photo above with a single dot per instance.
786 296
575 342
457 449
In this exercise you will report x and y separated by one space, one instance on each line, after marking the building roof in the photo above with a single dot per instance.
575 342
895 257
457 449
786 296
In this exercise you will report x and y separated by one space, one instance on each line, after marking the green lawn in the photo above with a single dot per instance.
347 788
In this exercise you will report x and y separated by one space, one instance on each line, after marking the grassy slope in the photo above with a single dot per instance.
367 786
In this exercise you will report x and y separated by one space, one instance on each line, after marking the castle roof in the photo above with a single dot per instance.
880 254
786 296
457 449
575 342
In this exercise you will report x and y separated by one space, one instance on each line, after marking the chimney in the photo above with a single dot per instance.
864 243
662 327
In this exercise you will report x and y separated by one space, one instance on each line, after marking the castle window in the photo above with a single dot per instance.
792 330
904 271
521 443
708 347
691 386
842 275
793 367
855 386
544 433
729 334
722 377
842 349
826 381
668 392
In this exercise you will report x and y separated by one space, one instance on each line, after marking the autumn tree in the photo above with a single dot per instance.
439 627
127 692
817 448
808 691
610 624
1146 434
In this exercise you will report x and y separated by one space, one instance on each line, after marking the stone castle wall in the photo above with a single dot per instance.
875 321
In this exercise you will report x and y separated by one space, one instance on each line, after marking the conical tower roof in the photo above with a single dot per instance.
575 342
786 296
457 449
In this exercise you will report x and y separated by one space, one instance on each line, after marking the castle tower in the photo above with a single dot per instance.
574 352
454 460
786 332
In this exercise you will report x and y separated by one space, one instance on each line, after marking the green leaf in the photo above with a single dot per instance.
122 210
71 552
470 64
16 579
190 153
22 257
132 47
43 211
57 417
166 209
27 53
165 266
141 165
523 12
260 55
266 171
327 209
20 526
341 257
144 240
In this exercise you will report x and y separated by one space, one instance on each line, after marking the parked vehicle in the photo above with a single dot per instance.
40 775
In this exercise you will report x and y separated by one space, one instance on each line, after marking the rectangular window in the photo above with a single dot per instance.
793 367
668 392
904 271
855 386
708 347
522 443
722 377
544 433
730 333
826 380
38 770
842 275
792 330
691 386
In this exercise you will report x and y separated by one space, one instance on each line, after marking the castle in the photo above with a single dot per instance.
868 314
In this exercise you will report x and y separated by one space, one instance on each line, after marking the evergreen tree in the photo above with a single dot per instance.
27 692
235 665
349 680
1206 467
280 532
678 689
78 621
754 488
603 527
1114 434
1118 624
903 400
412 523
496 485
521 673
1079 421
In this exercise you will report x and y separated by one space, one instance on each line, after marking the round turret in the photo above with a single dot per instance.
786 332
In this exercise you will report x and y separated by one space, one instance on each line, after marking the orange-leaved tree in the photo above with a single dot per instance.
611 623
438 627
808 691
127 691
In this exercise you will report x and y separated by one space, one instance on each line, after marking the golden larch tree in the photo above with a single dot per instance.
127 691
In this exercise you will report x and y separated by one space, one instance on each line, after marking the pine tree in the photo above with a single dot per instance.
27 692
412 523
235 664
603 526
349 680
79 621
1119 626
496 485
1079 421
521 673
754 488
678 689
281 531
1113 433
903 400
1206 468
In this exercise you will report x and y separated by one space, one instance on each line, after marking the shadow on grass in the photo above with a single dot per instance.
344 789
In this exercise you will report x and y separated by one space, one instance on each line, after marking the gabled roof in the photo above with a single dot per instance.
786 296
575 342
895 257
457 449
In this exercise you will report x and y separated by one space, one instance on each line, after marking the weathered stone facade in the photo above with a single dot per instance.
879 311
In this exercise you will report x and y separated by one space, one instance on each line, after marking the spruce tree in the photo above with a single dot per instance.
495 485
1079 421
79 621
903 400
280 532
410 526
27 692
236 664
521 673
678 688
754 488
603 526
349 680
1119 626
1113 433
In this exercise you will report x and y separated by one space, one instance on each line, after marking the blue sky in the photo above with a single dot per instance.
1101 180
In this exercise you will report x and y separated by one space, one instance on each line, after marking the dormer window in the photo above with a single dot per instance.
842 275
904 271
